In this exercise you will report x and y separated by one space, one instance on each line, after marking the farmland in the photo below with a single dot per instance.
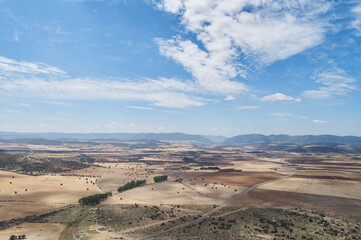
316 195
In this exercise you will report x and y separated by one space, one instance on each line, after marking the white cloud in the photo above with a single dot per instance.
281 114
298 100
111 125
132 125
276 97
250 107
55 102
64 113
12 111
356 23
319 121
229 98
236 32
211 71
172 6
39 80
140 108
8 65
167 111
159 92
24 105
335 82
53 118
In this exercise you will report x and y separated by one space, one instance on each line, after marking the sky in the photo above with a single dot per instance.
215 67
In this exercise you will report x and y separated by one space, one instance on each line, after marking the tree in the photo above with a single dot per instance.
131 184
94 199
160 178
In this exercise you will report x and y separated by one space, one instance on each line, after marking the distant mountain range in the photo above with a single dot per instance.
302 139
177 136
107 136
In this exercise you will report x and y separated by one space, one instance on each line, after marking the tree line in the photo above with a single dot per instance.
131 184
94 199
160 178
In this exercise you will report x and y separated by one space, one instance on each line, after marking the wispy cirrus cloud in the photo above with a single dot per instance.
64 113
140 108
334 82
24 105
282 114
235 33
8 65
154 91
38 80
356 22
12 111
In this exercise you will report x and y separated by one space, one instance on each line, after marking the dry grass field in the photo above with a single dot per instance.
325 187
46 189
23 195
173 193
34 231
10 210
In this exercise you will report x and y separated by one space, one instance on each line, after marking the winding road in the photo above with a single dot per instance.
216 209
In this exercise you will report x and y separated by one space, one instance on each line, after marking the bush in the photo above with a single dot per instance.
160 178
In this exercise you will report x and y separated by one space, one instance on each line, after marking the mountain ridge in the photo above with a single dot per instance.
296 139
178 136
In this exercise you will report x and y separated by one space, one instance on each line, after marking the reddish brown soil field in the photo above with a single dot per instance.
272 198
245 179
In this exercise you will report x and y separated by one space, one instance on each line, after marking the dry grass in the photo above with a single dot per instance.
45 189
35 231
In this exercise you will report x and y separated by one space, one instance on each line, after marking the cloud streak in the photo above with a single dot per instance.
140 108
334 82
250 107
8 65
356 22
38 80
157 92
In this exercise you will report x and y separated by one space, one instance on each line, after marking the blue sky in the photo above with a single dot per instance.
204 67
